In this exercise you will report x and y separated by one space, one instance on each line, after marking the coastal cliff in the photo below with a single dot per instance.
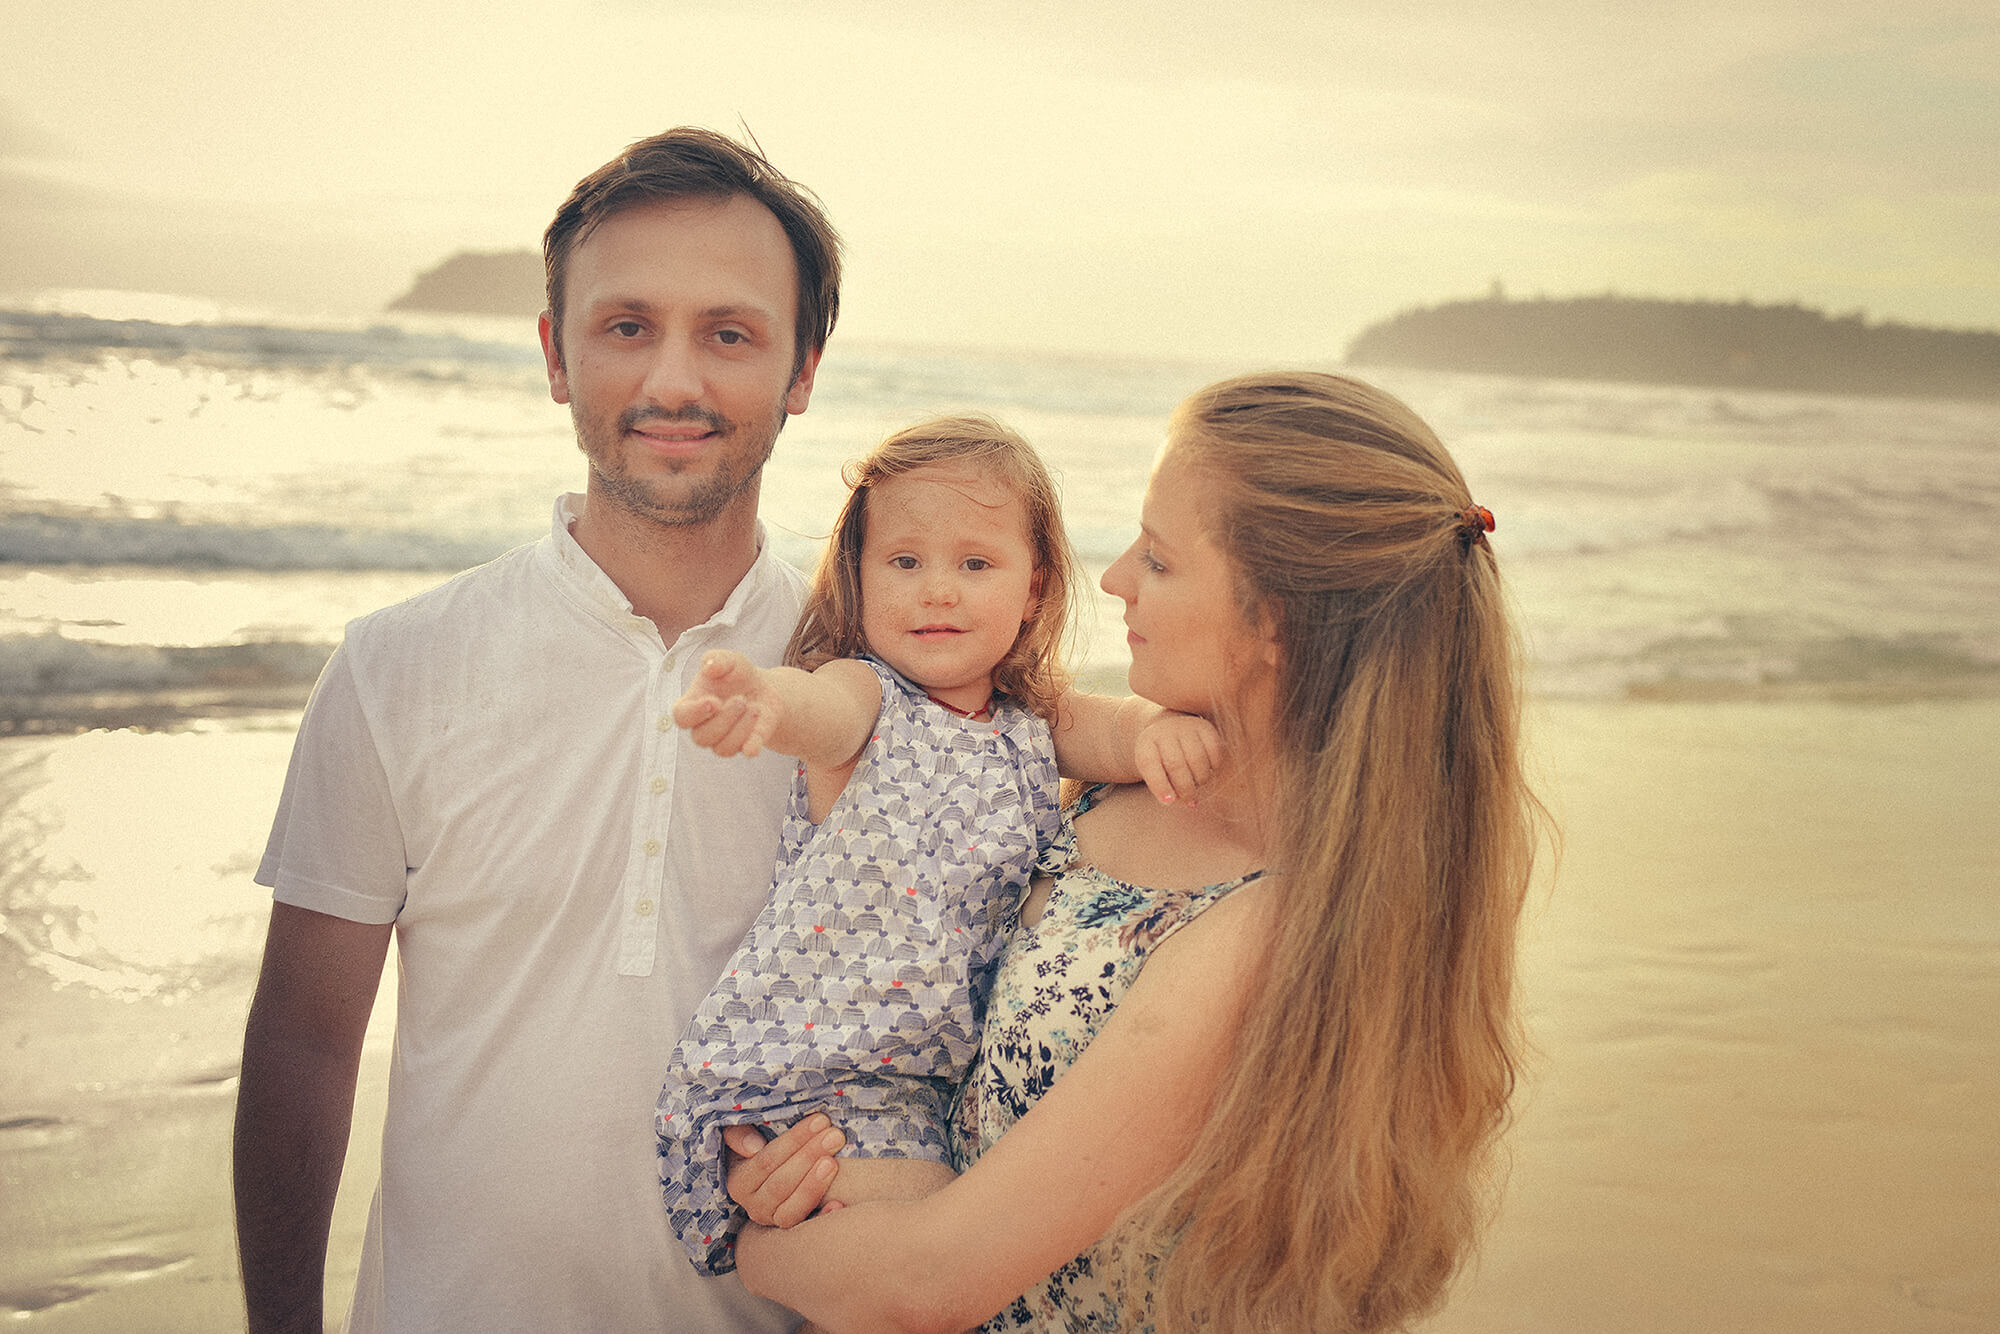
1724 344
503 282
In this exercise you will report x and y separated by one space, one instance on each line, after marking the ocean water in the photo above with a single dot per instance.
189 513
1763 631
201 507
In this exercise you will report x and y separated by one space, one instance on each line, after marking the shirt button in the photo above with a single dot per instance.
652 846
666 722
644 907
658 785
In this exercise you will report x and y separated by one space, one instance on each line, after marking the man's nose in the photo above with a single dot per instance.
673 377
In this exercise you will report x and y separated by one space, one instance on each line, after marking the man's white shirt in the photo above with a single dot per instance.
491 766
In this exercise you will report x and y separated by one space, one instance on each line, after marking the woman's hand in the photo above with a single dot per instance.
782 1182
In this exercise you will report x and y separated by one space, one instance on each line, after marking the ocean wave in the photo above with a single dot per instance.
27 335
36 667
48 675
1747 656
87 539
1537 519
1055 384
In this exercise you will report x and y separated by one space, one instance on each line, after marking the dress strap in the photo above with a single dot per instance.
1087 798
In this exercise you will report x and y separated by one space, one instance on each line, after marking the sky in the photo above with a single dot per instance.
1259 179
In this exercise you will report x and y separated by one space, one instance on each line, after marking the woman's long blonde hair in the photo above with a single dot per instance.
1033 672
1348 1161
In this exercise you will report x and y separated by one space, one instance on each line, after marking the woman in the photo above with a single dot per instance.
1281 1015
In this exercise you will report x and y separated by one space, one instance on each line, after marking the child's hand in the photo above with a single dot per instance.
783 1182
731 708
1176 754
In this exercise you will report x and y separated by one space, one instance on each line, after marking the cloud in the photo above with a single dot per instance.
1161 177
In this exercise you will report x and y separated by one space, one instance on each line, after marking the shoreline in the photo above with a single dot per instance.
145 710
58 714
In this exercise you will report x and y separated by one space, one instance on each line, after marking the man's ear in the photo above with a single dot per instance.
545 327
801 391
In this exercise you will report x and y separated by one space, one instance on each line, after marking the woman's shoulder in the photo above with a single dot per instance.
1232 908
1129 835
1216 945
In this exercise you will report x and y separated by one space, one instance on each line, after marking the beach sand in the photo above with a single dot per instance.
118 1089
1763 985
1765 989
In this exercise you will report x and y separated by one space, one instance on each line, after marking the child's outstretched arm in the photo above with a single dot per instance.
1132 740
824 717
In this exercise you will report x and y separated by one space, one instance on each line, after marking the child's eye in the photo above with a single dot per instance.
978 563
903 562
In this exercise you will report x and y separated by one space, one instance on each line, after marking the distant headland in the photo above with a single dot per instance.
501 282
1724 344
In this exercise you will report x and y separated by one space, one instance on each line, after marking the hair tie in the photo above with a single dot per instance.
1474 523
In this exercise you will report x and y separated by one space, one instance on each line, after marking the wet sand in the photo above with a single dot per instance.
118 1087
115 1201
1764 987
1766 993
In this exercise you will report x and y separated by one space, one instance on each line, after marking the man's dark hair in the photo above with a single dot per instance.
691 163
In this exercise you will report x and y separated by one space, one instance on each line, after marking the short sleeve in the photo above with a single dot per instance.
336 845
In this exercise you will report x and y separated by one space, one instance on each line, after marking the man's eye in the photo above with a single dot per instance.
731 337
627 328
1146 559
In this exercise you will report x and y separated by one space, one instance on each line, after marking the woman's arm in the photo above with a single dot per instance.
823 717
1104 740
1113 1126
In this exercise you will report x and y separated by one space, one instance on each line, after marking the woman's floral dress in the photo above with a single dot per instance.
1056 987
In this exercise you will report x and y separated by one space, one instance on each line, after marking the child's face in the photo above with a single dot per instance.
947 578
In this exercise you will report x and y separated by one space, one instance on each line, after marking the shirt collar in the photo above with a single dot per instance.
583 576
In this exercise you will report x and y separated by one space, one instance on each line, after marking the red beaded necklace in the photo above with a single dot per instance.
985 709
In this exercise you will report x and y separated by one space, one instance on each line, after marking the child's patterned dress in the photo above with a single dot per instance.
1054 990
859 989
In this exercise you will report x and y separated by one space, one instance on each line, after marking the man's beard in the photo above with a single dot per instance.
674 501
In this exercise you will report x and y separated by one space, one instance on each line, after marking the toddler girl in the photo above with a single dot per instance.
929 712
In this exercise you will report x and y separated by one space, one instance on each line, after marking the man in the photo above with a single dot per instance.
489 771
